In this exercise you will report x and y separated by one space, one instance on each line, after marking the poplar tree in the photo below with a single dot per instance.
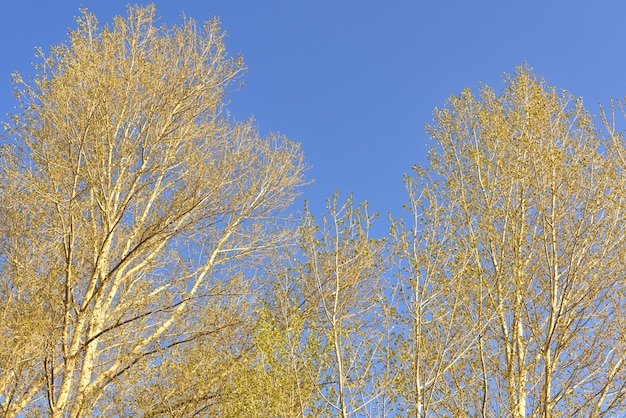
134 213
520 267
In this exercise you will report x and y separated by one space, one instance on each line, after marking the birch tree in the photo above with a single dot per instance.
535 197
133 213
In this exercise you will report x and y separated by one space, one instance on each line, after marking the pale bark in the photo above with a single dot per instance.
140 199
530 192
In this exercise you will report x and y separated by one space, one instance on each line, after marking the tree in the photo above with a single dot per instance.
529 197
134 214
435 330
341 287
322 345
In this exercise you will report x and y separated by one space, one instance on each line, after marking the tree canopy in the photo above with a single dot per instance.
131 207
151 263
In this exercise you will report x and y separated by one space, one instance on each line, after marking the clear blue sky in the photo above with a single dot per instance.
356 81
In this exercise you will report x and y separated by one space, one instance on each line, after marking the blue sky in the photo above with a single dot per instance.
356 81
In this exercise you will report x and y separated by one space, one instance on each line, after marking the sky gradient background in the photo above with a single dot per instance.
356 81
